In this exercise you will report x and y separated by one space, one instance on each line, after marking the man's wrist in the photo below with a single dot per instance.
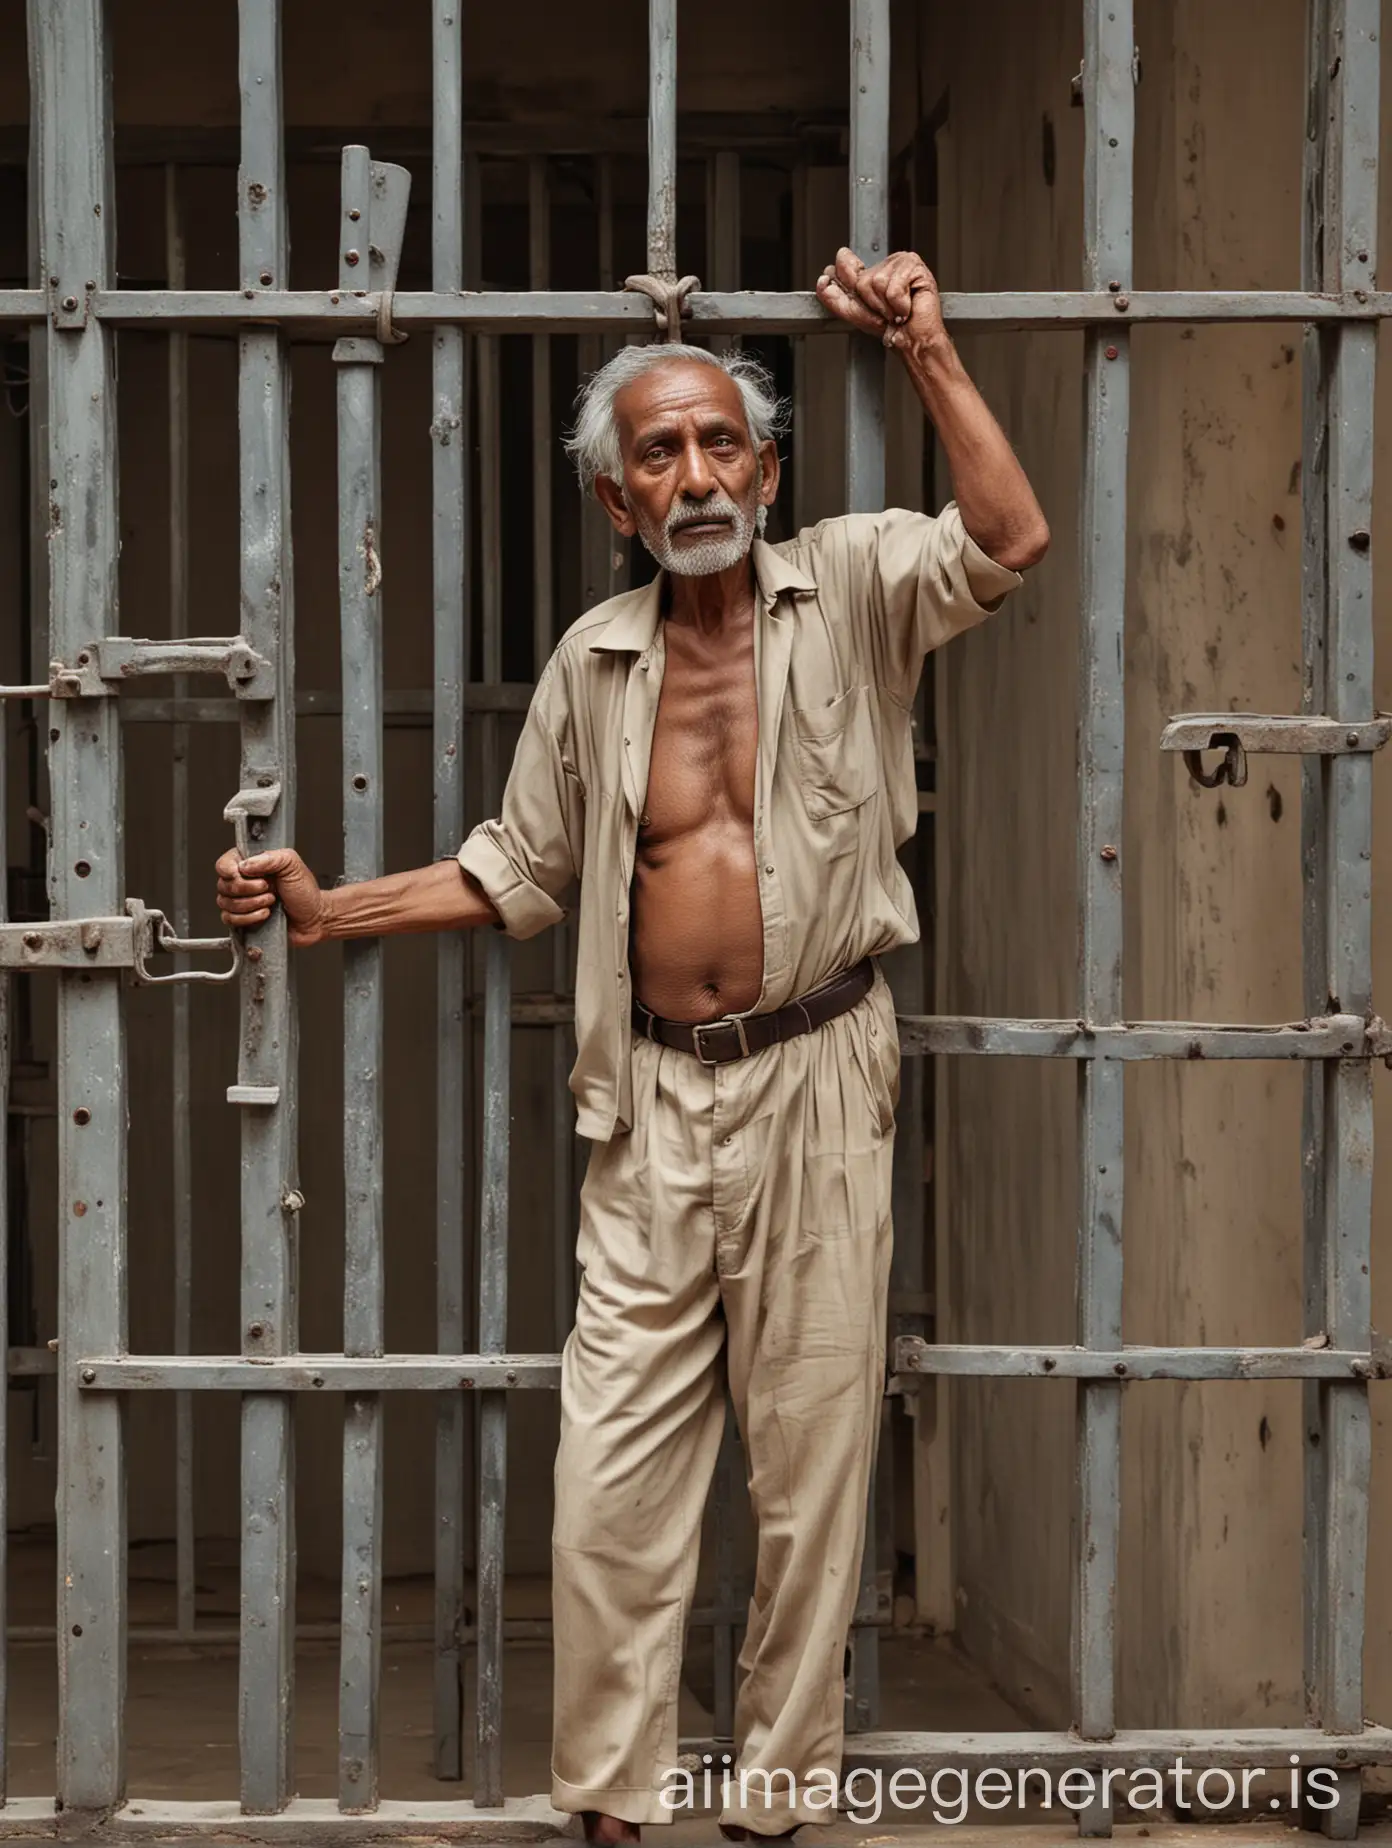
930 353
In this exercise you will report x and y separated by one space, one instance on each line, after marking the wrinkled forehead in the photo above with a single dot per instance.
678 392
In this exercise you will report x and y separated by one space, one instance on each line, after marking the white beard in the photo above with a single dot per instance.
710 555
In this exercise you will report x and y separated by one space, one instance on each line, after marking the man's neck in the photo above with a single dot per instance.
709 604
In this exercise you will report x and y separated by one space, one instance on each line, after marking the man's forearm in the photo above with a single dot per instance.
435 897
993 493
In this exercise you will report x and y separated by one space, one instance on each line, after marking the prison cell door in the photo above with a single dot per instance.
98 937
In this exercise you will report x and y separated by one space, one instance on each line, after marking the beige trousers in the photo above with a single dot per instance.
741 1227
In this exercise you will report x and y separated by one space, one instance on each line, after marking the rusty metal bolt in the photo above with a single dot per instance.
360 782
69 304
316 1379
1049 1363
1123 302
512 1379
82 1116
350 257
88 1375
32 940
84 657
79 1209
82 868
266 279
1111 352
355 214
1113 286
1108 853
255 1330
256 192
77 1629
1352 738
253 952
1119 1366
1360 539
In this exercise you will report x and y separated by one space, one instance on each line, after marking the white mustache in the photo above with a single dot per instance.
709 510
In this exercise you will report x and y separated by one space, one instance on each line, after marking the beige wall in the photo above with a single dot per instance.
1209 1615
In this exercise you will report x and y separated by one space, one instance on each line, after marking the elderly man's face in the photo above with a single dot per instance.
693 480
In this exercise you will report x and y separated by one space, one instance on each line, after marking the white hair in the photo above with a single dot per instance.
593 443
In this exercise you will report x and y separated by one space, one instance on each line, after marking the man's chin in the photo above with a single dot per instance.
701 558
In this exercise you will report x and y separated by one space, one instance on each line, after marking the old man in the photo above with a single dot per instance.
722 763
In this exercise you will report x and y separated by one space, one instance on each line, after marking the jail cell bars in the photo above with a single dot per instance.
73 311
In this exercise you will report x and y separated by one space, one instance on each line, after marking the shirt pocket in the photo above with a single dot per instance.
838 762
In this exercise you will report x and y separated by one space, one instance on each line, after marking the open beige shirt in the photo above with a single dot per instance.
845 613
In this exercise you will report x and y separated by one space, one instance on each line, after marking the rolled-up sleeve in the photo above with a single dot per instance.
528 860
931 581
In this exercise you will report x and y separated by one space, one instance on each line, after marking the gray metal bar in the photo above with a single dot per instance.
360 604
1271 1747
1320 736
913 1355
492 1371
268 1056
399 704
662 138
493 1211
869 236
181 1128
70 87
1313 832
1109 129
865 489
331 312
1337 1036
450 449
543 639
1344 1234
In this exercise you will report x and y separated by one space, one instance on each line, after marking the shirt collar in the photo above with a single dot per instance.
632 628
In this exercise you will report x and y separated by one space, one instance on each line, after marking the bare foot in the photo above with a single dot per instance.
608 1831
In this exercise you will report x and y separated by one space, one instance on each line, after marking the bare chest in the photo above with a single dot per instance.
705 740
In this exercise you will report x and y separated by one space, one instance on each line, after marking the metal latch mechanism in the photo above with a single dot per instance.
113 943
1237 733
102 667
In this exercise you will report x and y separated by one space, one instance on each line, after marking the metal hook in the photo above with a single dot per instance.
668 297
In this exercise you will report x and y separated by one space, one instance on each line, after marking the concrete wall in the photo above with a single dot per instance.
1209 1613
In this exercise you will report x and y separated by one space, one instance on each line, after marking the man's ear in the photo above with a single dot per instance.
611 498
769 465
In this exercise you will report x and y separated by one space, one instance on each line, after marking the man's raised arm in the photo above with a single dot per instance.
897 302
437 897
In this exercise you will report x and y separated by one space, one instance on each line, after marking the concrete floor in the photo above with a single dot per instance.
182 1713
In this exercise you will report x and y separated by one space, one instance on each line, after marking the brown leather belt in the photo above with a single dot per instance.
719 1042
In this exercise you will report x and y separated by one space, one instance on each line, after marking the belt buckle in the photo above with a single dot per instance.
709 1026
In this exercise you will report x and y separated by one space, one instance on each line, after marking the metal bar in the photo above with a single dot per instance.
181 1143
865 489
1343 1237
1109 118
1313 829
913 1355
331 312
360 606
6 1004
400 705
1303 736
662 138
1334 1037
491 1371
493 1208
71 91
450 449
543 639
267 1061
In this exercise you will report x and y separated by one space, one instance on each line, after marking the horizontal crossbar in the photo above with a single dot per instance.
1332 1036
303 1821
319 1373
332 312
914 1355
